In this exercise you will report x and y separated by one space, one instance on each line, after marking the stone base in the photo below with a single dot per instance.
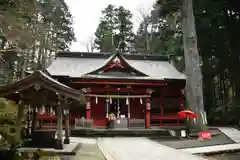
59 144
66 141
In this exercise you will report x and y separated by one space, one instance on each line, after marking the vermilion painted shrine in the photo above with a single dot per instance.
141 90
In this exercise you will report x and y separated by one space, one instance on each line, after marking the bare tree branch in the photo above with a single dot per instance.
89 45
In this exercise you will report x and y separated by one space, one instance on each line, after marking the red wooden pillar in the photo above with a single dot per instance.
161 108
147 113
88 108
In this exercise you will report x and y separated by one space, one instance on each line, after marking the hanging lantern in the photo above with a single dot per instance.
141 101
110 100
52 112
43 110
66 111
127 101
96 100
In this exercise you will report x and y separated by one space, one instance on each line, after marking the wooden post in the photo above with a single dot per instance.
33 128
59 144
88 108
161 108
28 121
19 123
67 129
147 113
129 112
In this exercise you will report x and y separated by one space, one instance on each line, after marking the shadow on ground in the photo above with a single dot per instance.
220 139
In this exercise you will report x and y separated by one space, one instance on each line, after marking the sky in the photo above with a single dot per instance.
87 13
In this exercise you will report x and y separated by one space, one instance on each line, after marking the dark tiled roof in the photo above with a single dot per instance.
43 80
79 64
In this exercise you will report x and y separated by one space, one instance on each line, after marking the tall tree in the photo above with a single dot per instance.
194 88
192 62
104 38
104 35
114 32
35 31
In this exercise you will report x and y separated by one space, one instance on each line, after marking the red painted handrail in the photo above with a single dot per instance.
155 117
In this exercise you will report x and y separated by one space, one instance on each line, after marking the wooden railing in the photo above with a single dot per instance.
164 120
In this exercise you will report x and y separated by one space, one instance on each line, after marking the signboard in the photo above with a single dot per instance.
183 133
205 136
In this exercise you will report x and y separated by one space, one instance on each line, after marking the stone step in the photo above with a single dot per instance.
231 132
121 133
212 149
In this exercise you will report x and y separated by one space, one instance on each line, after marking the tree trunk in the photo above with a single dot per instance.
146 34
24 66
192 62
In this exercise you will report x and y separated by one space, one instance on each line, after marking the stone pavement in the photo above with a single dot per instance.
88 152
231 132
211 149
140 149
83 140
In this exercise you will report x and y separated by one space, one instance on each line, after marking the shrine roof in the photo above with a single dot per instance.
82 64
42 80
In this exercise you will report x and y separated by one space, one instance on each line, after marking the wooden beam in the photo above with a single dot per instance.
122 83
119 90
117 96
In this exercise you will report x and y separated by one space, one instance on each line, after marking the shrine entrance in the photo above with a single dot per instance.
128 109
119 108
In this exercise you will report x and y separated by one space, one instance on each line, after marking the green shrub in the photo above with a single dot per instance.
8 114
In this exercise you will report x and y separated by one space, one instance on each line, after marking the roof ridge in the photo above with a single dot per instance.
129 56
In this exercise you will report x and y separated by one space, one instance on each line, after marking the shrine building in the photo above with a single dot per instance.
141 90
